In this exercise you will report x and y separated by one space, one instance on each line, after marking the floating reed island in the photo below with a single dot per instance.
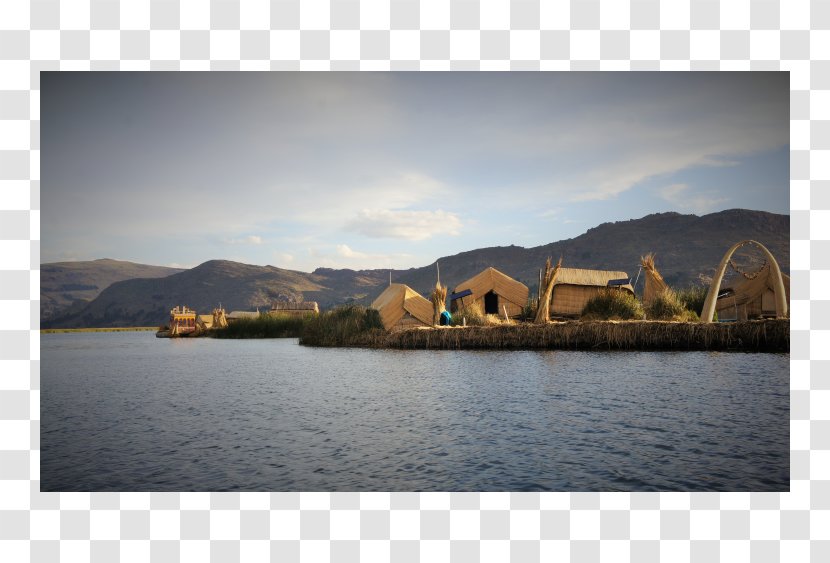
771 335
498 312
359 327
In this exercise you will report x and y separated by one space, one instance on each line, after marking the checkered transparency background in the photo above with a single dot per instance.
745 35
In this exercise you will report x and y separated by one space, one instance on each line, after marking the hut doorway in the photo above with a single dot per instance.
491 303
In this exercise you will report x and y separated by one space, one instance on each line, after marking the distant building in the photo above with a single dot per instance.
235 316
294 309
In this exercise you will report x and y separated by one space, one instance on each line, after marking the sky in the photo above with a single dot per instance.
392 170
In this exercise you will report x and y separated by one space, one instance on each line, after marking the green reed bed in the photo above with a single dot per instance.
264 326
351 325
613 304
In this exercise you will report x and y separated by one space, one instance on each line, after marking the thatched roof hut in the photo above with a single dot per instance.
234 316
750 296
495 291
575 286
294 309
400 307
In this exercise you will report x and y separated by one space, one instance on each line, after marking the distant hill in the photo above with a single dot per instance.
74 284
686 247
147 302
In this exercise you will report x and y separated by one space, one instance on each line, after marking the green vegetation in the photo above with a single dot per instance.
668 307
529 310
693 297
351 325
264 326
612 305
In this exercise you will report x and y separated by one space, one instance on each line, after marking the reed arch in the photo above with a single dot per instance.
708 312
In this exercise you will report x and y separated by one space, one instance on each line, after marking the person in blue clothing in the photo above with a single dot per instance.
445 319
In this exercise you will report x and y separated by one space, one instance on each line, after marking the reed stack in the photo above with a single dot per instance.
549 279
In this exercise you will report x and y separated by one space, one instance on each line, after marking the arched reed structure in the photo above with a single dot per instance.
780 293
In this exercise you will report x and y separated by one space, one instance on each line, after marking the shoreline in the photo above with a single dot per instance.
102 329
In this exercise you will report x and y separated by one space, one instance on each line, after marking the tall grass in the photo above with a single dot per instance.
351 325
264 326
612 305
667 307
693 297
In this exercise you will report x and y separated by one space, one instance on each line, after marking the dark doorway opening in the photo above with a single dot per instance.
491 303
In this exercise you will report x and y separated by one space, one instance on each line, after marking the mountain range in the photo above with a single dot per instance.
105 293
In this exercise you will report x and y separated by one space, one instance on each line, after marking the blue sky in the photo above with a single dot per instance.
392 170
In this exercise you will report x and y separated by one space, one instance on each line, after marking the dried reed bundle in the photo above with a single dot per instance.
655 285
439 300
549 279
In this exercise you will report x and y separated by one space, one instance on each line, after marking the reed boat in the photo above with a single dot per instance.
183 323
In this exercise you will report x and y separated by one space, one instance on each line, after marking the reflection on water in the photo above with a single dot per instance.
125 411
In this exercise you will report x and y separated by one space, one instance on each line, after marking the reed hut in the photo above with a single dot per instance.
495 291
574 287
235 316
294 309
402 307
751 296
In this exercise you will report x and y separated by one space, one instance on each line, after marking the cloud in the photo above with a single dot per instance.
682 197
409 225
346 252
250 239
553 212
284 257
344 256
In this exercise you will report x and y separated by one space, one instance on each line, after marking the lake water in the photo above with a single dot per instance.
128 411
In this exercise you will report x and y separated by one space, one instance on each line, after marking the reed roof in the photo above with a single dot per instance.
594 278
243 315
499 283
294 306
399 299
747 290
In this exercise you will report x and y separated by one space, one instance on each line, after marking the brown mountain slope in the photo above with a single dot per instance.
64 284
